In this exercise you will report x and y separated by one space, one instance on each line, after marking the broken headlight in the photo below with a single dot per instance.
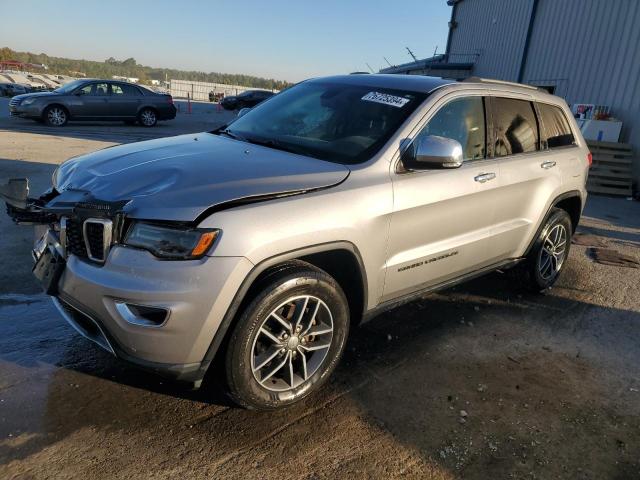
171 243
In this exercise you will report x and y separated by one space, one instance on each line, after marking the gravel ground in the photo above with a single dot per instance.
480 381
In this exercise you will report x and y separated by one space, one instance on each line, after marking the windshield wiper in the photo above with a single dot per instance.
277 145
229 134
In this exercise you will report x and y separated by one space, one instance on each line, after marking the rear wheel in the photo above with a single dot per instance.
148 117
55 116
288 339
550 251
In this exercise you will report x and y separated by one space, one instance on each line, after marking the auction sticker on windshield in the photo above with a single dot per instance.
386 99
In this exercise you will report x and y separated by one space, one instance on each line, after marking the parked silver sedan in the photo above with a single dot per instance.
95 100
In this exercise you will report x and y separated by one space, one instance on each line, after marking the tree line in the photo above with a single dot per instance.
131 68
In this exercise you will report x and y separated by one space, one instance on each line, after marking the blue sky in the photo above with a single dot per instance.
288 40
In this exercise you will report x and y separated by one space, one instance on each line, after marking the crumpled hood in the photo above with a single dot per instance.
178 178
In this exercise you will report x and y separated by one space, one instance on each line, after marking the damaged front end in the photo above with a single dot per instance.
71 222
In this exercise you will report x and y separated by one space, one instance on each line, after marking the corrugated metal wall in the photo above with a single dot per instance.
496 30
588 49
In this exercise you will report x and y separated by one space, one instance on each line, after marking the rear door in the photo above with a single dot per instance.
528 175
124 100
442 219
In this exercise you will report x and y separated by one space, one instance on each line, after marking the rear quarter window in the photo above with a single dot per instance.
555 126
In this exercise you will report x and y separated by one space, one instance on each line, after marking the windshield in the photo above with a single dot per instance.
331 121
69 87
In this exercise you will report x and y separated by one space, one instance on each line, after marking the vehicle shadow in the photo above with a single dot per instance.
409 372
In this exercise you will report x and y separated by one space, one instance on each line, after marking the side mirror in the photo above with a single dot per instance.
243 111
78 93
433 152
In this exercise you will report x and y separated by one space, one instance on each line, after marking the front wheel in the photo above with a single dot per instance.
549 252
288 340
55 116
148 117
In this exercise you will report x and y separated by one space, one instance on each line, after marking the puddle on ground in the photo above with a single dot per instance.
608 256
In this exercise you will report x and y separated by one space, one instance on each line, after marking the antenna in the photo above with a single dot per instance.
369 67
411 53
389 63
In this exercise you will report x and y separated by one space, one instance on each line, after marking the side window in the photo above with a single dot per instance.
130 90
515 126
100 89
116 89
557 132
86 90
462 120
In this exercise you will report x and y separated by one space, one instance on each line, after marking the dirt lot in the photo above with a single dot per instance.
482 381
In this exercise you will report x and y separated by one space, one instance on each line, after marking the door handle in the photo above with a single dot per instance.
484 177
548 164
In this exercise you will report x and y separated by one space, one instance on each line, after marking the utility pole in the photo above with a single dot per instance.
412 55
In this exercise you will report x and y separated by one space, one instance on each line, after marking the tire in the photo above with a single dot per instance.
549 253
270 362
55 116
148 117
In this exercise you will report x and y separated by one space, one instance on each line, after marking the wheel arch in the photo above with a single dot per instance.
55 104
571 202
146 106
340 259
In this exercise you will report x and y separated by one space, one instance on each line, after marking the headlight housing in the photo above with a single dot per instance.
171 242
28 101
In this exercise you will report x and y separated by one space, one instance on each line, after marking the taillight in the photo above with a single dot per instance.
590 159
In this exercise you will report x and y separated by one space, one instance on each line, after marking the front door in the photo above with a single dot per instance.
92 101
442 219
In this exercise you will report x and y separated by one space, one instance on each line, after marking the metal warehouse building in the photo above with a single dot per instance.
587 51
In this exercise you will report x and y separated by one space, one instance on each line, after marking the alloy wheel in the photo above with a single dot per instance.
553 252
148 118
292 343
56 116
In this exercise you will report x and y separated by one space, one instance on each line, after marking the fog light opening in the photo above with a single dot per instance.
142 315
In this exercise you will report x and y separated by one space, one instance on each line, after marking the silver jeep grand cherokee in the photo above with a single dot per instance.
260 244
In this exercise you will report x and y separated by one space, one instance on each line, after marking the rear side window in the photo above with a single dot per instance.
556 130
120 89
515 127
462 120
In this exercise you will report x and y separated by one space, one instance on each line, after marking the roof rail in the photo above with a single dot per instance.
501 82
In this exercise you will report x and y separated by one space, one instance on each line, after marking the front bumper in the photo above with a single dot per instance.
196 294
29 111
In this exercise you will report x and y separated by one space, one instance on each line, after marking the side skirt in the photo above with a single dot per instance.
396 302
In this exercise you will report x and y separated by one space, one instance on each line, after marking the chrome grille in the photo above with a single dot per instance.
89 239
97 238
